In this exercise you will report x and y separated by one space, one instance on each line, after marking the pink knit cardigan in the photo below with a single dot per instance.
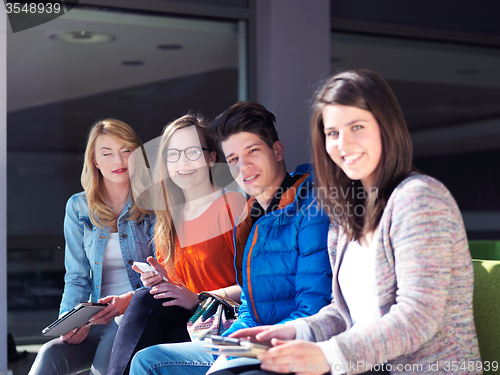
424 281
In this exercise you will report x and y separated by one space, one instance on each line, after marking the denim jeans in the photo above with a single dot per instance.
172 359
146 323
179 359
58 358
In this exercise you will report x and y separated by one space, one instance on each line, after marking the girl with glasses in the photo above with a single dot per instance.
403 276
105 232
193 238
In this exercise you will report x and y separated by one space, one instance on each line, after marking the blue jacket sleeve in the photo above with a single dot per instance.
245 319
313 281
77 284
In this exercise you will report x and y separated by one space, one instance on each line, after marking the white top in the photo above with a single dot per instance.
114 275
358 286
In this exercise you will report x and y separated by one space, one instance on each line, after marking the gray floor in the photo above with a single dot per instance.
23 366
26 326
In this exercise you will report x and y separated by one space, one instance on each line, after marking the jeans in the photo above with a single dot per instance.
146 323
172 359
179 359
58 358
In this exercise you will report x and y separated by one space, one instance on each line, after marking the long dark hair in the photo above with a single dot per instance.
345 200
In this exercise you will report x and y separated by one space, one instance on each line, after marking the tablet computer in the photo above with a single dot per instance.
75 318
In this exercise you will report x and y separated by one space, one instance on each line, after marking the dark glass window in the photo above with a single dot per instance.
449 94
64 75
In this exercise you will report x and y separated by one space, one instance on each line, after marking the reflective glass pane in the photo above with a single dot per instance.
449 94
63 75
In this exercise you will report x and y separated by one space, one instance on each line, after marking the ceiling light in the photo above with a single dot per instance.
170 47
467 71
132 62
82 37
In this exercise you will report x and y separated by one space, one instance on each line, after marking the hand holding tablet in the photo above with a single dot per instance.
75 318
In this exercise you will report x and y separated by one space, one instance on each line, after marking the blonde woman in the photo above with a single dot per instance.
105 233
194 242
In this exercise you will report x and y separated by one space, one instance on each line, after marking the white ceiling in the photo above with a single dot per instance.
42 70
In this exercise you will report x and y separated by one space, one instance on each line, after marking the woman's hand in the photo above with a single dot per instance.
297 356
117 305
181 295
150 279
264 334
76 335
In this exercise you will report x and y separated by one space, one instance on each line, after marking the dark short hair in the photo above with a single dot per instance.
245 116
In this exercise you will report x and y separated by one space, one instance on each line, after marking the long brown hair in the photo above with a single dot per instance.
339 195
165 190
101 214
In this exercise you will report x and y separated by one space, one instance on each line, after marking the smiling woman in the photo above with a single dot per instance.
353 141
188 162
194 241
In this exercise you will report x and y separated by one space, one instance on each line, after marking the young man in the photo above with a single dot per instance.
285 271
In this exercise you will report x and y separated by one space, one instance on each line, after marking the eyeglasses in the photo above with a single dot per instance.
192 153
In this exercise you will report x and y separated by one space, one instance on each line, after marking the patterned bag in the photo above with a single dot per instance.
213 317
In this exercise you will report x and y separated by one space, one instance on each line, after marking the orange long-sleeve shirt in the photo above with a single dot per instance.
206 261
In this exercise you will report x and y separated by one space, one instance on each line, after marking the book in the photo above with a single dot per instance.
75 318
233 347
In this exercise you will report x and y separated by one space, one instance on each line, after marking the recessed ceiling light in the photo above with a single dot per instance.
169 47
467 71
82 37
132 62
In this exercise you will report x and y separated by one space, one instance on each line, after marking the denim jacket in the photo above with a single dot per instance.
85 246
